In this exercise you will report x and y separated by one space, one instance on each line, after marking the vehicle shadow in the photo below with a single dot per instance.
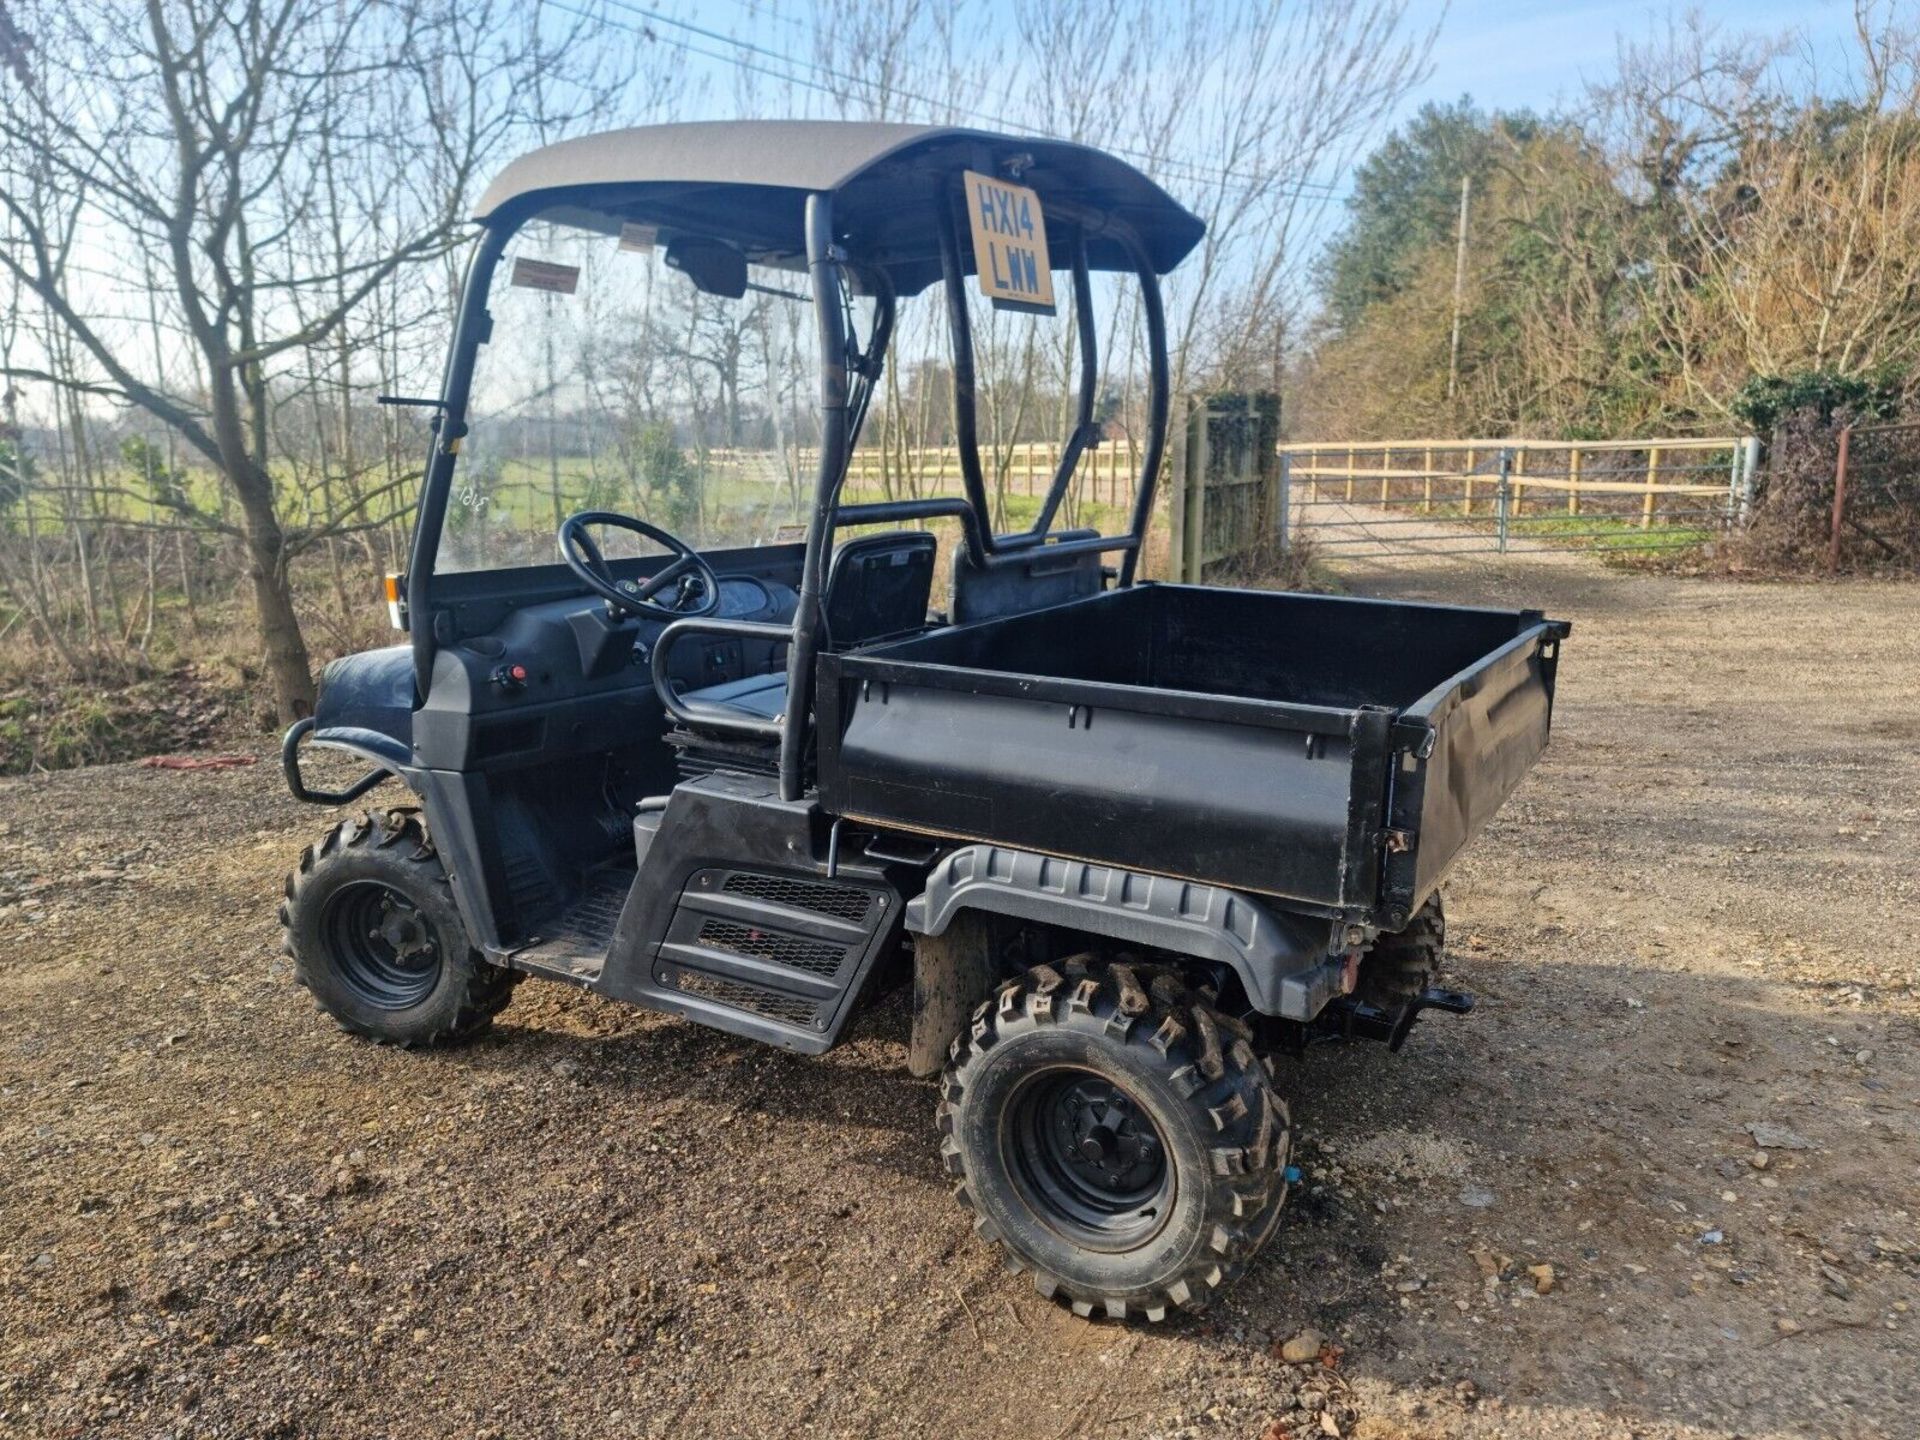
656 1061
1588 1116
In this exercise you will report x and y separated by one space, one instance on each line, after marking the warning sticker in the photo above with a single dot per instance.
544 275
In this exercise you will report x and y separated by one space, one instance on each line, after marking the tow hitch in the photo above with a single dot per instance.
1357 1020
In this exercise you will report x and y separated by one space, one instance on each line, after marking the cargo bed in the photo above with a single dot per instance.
1331 752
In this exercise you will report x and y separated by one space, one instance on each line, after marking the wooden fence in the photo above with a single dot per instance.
1106 476
1386 496
1569 474
1674 489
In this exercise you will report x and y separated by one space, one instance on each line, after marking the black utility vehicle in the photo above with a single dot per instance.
1132 839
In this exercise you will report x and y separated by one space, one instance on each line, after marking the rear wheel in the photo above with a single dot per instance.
1119 1139
370 922
1400 966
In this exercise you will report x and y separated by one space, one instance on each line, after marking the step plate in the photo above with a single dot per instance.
574 945
779 947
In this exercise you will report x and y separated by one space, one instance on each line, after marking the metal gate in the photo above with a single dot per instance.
1225 483
1381 498
1876 497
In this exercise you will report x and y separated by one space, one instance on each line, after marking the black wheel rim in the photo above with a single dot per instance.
1088 1159
385 950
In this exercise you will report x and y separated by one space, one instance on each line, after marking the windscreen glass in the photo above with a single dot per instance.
612 382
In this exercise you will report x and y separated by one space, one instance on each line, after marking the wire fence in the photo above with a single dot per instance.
1380 498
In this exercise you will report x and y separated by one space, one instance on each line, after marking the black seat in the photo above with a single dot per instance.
878 589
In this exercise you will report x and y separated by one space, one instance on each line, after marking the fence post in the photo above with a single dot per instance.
1839 498
1467 475
1179 441
1733 483
1653 478
1426 484
1349 473
1751 467
1285 507
1503 497
1573 475
1519 486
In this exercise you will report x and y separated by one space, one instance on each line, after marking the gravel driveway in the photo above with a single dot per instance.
1695 922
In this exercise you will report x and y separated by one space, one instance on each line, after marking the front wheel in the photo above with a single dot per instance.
1124 1146
370 922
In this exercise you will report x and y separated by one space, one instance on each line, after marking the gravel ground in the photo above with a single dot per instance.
220 1217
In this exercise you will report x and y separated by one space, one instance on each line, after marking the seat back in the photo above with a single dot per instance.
1036 583
879 587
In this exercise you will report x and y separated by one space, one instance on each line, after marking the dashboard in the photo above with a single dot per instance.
557 676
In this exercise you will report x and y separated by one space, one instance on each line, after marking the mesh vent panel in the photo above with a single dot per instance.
812 956
744 997
835 900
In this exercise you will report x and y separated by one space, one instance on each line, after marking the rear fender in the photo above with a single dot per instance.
1287 963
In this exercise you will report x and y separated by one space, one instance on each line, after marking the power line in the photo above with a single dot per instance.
1184 167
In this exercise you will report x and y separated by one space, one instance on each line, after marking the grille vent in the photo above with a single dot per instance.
813 956
750 998
839 901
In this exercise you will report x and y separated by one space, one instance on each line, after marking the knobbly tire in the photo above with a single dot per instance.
376 938
1116 1135
1398 967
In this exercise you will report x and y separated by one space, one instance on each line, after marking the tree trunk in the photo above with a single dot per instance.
289 670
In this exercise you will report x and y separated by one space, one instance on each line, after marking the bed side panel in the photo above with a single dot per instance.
1253 807
1489 726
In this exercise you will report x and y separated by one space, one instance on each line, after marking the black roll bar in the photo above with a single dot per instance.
991 551
449 429
823 267
1159 383
1084 431
966 434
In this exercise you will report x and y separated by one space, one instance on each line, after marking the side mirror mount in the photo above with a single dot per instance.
714 267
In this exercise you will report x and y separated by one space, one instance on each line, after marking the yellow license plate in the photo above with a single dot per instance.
1009 244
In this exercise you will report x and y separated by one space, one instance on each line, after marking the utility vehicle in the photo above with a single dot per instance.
1133 840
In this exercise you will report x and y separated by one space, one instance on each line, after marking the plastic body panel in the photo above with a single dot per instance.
725 825
365 705
1290 746
1281 959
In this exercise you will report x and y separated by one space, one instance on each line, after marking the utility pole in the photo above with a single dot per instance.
1459 284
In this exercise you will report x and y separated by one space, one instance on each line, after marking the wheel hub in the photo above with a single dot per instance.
381 944
1105 1139
405 930
1090 1159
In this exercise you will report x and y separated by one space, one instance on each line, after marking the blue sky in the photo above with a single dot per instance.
1512 54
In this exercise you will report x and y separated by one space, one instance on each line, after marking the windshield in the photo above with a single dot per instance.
611 383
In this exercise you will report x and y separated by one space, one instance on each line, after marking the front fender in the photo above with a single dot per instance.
387 756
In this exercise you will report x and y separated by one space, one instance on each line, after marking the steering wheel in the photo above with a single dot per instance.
635 597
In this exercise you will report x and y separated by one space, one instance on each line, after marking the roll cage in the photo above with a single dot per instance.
873 209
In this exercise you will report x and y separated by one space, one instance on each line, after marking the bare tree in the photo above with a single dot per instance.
210 139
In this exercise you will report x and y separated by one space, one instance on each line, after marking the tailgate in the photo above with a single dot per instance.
1466 745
